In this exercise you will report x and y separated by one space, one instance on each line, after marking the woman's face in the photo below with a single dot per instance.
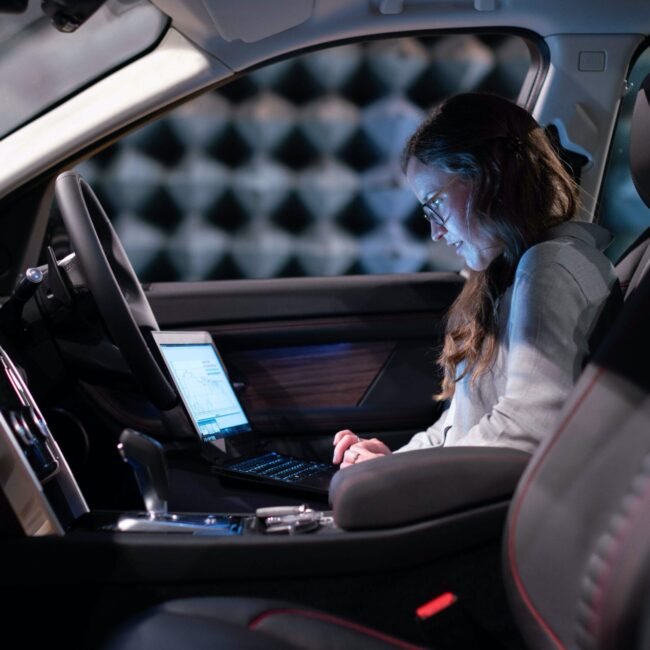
446 201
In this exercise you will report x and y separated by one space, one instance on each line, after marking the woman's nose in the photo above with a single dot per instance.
437 231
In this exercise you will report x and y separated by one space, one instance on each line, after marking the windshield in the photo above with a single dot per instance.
59 64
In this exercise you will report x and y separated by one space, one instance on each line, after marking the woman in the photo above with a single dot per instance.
517 336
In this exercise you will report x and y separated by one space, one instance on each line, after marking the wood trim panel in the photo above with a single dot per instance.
311 376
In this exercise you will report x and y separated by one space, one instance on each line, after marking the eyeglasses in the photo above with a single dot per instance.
431 208
431 214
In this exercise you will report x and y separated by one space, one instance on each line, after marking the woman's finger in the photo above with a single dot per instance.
344 443
340 434
350 457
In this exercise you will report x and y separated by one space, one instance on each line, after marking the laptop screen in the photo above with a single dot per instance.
205 389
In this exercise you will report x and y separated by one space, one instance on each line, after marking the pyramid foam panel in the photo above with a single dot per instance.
294 169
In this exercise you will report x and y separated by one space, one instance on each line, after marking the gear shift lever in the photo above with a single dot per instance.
147 458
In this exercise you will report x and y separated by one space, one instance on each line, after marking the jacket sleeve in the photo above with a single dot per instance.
434 436
548 342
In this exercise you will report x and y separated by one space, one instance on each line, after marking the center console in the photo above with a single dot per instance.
394 512
147 458
46 500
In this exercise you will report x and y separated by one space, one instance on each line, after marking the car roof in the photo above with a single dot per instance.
211 42
243 33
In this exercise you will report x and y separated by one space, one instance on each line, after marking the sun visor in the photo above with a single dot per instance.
245 20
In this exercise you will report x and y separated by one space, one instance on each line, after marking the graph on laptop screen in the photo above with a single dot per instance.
205 390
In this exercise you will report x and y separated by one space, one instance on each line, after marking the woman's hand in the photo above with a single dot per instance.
350 449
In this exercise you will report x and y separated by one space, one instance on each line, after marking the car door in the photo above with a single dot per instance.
315 355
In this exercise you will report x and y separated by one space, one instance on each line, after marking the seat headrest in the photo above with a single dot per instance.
640 142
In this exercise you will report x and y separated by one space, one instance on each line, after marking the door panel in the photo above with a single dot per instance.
192 304
298 376
312 355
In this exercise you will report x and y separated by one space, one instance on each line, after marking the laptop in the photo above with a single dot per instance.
212 406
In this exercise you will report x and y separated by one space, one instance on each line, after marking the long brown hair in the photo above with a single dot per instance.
519 188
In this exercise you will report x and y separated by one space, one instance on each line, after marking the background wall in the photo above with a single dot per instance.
294 170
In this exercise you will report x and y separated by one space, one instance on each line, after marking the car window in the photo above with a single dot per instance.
293 170
61 63
622 210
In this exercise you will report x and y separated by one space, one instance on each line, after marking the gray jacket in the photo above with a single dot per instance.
546 318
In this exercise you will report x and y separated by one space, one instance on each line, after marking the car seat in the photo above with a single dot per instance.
635 261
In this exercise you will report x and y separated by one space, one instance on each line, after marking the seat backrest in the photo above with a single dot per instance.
577 543
578 535
635 261
640 141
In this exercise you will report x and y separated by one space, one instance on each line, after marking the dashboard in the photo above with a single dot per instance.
46 500
35 476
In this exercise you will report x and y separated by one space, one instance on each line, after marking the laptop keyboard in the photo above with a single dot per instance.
278 467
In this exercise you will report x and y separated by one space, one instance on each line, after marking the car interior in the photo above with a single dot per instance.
132 295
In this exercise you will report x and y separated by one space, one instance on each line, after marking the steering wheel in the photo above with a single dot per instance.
111 280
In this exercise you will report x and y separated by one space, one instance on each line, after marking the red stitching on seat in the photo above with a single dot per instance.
511 532
617 547
328 618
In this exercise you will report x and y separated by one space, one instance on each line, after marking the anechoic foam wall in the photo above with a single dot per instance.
294 169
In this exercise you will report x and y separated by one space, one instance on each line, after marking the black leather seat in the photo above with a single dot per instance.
577 540
246 623
635 261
